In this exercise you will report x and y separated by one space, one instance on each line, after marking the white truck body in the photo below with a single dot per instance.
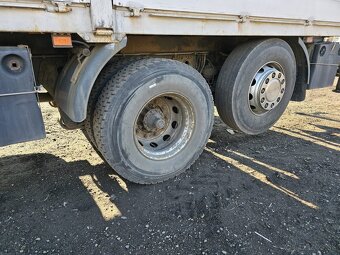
106 21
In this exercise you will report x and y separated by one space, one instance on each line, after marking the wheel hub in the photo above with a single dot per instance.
163 126
154 120
273 90
267 89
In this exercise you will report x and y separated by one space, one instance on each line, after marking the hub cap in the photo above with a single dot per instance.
267 88
164 126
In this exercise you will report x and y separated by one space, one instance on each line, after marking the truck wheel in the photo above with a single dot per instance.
153 119
255 85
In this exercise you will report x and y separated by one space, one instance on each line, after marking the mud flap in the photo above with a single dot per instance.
20 115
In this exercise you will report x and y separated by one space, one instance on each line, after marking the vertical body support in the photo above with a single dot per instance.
101 15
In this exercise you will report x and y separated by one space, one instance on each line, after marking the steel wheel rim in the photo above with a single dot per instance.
267 88
164 126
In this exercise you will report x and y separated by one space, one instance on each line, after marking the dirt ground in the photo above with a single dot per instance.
275 193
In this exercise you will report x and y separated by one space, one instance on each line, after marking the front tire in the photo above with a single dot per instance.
255 85
153 119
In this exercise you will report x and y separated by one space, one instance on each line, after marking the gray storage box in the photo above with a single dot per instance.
20 115
324 65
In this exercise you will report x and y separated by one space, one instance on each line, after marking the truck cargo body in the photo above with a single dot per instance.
95 20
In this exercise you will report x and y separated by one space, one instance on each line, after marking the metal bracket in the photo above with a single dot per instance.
309 22
19 93
60 6
242 18
81 56
135 9
104 32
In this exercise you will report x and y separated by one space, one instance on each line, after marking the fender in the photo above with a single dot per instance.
78 77
303 69
305 51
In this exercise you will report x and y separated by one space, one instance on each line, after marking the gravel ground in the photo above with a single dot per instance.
275 193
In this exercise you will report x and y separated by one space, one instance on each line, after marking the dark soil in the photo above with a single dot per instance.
275 193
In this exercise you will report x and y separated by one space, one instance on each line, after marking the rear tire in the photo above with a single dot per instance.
153 119
255 85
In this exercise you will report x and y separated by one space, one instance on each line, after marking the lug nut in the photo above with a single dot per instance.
278 99
263 90
283 81
262 100
266 105
272 105
282 90
273 75
280 75
267 81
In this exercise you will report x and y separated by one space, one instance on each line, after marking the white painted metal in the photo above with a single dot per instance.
226 17
101 14
164 17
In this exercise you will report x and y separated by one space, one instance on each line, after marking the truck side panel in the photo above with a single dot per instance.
215 17
218 17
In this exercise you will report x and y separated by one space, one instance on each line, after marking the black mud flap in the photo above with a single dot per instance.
324 65
20 115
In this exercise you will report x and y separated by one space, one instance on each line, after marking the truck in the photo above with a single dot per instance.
141 79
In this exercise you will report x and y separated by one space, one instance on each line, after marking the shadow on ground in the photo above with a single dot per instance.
269 194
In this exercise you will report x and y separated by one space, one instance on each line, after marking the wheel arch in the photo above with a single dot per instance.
303 68
78 76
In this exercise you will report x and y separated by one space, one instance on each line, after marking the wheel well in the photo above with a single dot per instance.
213 51
76 81
303 68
